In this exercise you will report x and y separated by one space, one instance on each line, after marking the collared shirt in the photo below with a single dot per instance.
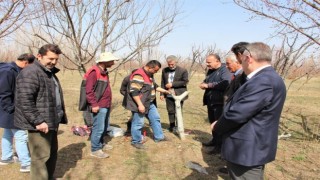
171 76
237 72
249 76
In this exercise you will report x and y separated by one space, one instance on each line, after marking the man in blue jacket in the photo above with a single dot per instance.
250 120
8 74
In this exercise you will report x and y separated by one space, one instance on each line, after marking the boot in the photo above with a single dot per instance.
128 131
172 126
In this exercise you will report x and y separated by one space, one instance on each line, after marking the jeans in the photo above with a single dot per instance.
100 123
21 140
44 154
138 122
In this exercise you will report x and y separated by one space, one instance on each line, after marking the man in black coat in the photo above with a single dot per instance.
175 79
39 108
217 80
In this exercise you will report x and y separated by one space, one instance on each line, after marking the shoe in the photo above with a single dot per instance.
209 143
214 151
6 162
172 127
25 169
127 133
107 147
161 140
99 154
139 146
223 170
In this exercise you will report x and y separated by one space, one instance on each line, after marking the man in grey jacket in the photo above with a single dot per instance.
39 108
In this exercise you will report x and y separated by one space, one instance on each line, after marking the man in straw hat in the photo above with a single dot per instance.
98 96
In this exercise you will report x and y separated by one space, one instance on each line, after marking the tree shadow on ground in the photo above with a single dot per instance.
68 158
214 162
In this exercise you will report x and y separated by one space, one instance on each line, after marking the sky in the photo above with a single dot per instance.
214 22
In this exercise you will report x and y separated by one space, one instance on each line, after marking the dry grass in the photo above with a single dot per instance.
297 156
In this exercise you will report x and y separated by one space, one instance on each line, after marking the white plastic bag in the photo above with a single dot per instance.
115 131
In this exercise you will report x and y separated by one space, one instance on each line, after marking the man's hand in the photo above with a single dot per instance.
43 127
169 85
213 124
141 108
203 86
95 109
161 98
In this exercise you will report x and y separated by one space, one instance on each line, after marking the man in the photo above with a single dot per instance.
215 84
249 124
233 63
39 108
99 96
238 77
141 100
175 80
8 75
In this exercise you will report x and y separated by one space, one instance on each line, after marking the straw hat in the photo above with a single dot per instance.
107 57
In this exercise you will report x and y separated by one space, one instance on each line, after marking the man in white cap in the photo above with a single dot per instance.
98 96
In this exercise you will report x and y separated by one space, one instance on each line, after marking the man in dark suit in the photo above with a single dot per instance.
250 120
238 77
175 79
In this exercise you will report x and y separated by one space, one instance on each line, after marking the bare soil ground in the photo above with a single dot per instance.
297 156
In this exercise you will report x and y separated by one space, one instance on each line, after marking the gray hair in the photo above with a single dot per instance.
232 57
172 58
260 51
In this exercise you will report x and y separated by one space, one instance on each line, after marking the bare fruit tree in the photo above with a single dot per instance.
85 28
12 16
289 55
291 17
198 59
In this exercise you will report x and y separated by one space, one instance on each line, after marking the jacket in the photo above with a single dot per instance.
179 83
8 74
88 98
35 100
234 85
145 92
220 78
250 121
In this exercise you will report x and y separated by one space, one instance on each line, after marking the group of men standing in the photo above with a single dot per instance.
244 99
245 118
32 100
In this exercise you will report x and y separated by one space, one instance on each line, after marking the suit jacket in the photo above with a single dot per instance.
250 120
180 80
234 85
